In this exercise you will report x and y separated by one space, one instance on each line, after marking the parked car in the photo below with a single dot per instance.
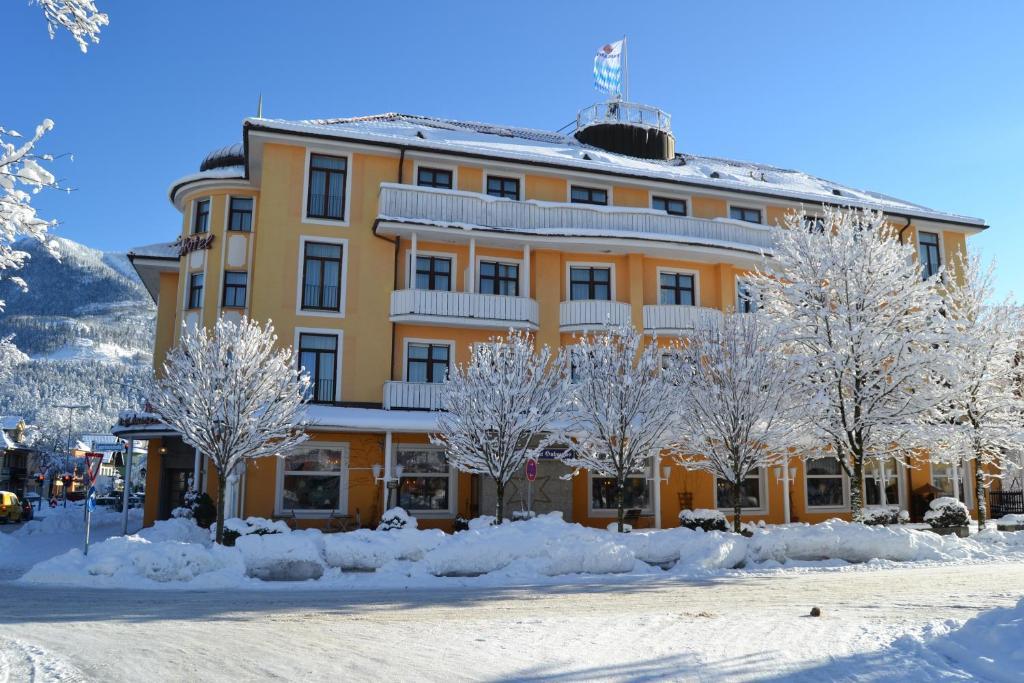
10 508
32 497
27 511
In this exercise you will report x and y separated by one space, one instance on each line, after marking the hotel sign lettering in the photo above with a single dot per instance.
186 245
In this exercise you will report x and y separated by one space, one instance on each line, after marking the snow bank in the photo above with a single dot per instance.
294 556
839 540
61 520
134 562
365 550
988 647
177 553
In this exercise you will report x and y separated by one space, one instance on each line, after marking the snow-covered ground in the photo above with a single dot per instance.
54 532
878 624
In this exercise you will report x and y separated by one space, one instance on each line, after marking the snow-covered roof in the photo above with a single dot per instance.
563 150
157 250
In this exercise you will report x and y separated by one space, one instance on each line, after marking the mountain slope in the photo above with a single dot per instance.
87 325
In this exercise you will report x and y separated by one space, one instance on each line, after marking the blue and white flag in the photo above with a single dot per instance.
608 69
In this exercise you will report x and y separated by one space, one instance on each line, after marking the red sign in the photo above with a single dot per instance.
531 469
92 466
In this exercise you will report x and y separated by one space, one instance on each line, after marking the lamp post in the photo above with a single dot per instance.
390 482
787 474
71 412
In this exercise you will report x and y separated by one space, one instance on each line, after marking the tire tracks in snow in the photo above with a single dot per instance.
21 662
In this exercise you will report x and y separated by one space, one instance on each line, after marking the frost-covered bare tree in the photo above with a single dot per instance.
622 408
850 299
80 18
233 395
738 403
499 409
980 418
23 171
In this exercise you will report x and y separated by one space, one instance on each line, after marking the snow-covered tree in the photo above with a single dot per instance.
980 417
849 297
79 17
232 395
23 171
738 401
622 407
499 409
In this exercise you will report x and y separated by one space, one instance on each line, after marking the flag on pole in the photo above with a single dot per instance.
608 69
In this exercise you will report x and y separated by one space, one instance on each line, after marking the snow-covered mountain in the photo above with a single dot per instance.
86 324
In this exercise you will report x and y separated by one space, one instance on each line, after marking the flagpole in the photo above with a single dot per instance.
625 68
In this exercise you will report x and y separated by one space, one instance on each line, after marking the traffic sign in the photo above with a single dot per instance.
90 501
531 470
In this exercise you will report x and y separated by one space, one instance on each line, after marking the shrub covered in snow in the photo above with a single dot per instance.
396 518
947 512
708 520
235 527
366 550
883 516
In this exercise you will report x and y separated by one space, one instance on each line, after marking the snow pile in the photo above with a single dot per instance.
132 561
544 545
295 556
839 540
366 550
179 529
8 545
253 525
396 518
61 520
988 646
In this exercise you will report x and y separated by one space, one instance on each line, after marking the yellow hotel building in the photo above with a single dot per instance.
383 247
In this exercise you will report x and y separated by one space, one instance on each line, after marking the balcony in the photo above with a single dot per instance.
579 316
452 208
464 309
672 319
414 395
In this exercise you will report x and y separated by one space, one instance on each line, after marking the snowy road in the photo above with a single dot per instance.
741 627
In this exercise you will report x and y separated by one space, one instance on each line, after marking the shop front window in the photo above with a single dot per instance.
314 480
426 481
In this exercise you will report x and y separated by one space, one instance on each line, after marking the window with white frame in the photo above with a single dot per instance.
499 277
881 482
750 493
636 494
928 248
427 483
745 213
506 188
326 192
673 207
590 283
823 478
943 475
434 273
676 289
201 221
427 363
315 480
746 297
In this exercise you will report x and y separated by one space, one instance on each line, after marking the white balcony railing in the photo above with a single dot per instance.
463 308
582 315
421 395
669 318
432 206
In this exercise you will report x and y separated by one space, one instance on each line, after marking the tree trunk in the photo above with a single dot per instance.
737 504
620 500
857 488
499 506
220 506
979 495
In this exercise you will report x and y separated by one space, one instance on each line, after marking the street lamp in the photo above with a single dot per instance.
71 411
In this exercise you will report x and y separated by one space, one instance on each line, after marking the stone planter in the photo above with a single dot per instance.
960 531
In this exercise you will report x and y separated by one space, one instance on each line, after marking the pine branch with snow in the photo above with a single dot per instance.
849 297
233 395
980 417
622 415
738 401
499 409
80 18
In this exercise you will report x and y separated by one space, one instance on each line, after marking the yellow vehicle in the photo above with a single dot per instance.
10 507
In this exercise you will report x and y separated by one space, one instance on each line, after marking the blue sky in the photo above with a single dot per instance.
919 100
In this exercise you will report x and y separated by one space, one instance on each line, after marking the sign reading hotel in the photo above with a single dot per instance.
186 245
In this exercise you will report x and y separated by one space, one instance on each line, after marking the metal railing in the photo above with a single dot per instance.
479 309
417 395
409 204
616 111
